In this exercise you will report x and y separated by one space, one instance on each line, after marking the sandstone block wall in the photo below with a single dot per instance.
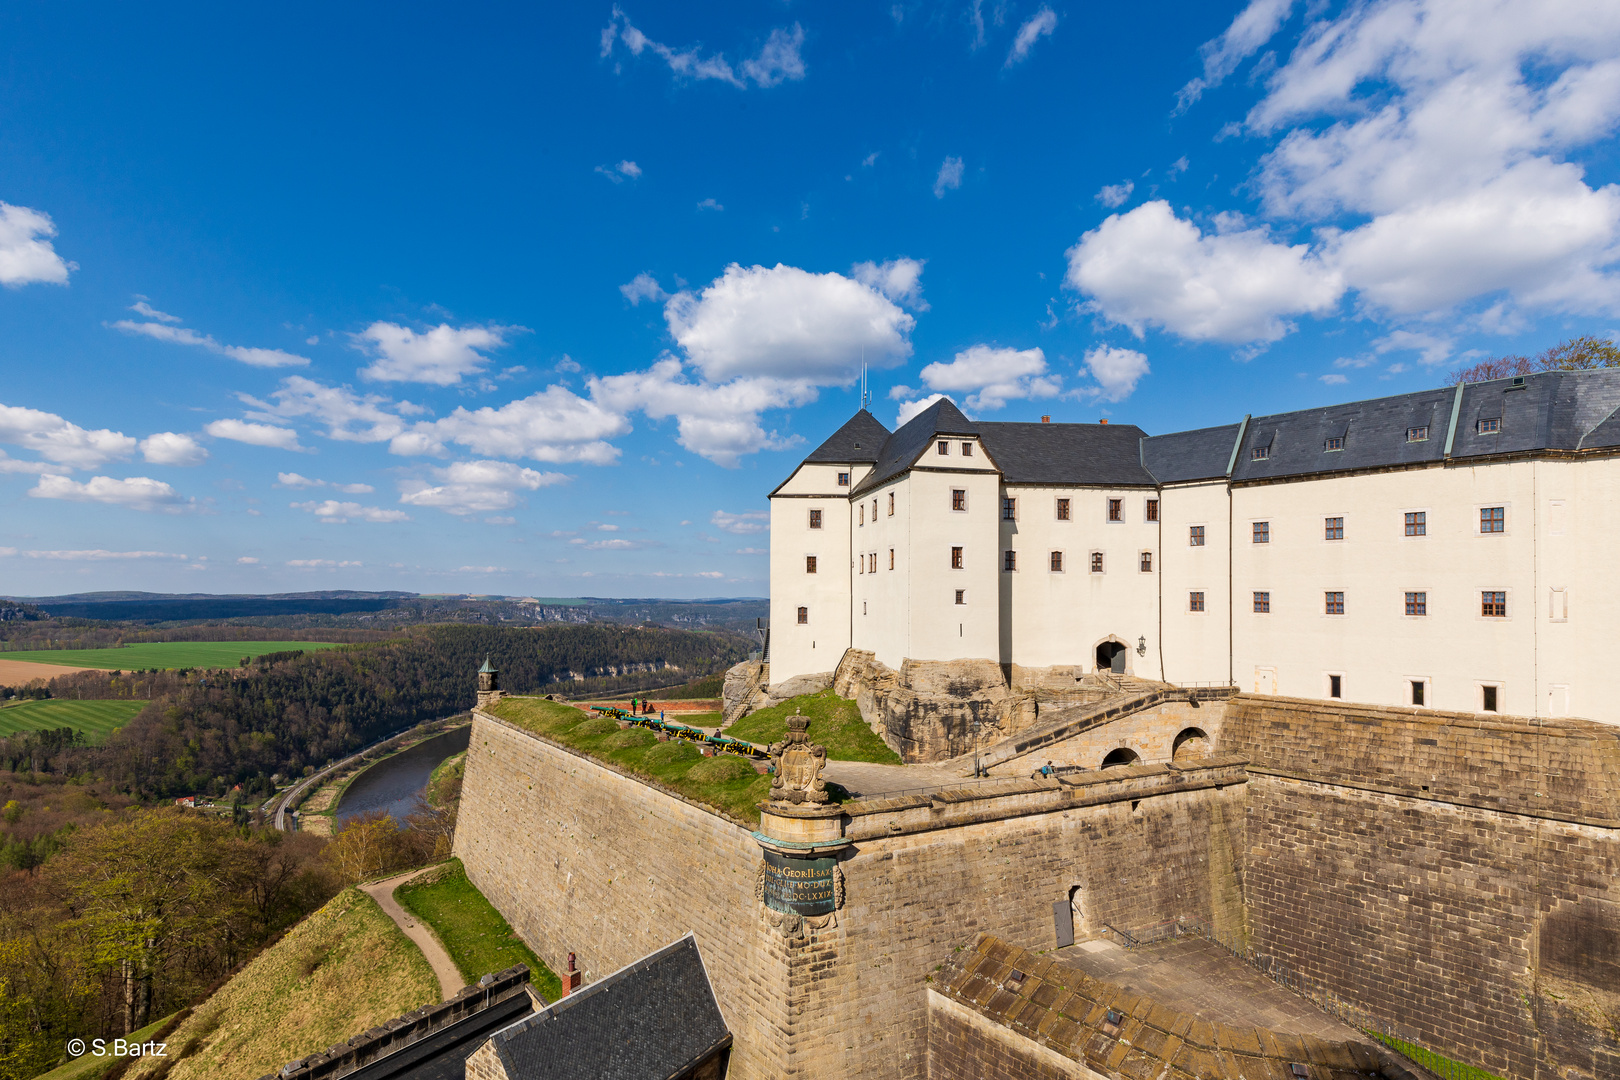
962 1045
1151 733
1450 873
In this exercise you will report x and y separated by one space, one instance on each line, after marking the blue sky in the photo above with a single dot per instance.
492 299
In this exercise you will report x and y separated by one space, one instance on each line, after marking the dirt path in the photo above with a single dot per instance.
450 982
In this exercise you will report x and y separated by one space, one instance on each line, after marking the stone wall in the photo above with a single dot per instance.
1452 874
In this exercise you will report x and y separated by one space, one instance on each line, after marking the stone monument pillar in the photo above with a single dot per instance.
489 685
802 835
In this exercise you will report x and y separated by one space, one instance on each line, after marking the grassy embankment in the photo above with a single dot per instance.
96 719
343 970
470 929
442 785
91 1067
728 784
164 654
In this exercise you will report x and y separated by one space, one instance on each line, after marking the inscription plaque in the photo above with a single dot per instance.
799 886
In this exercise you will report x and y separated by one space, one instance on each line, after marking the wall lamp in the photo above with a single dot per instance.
1141 646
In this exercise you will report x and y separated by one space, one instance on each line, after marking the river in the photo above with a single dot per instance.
393 784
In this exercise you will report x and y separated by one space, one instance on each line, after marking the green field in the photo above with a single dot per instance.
471 930
164 654
97 719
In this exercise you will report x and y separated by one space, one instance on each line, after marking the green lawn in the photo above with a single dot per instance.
90 1067
97 719
727 783
164 654
835 723
1438 1064
473 932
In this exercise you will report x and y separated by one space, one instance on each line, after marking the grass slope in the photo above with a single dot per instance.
164 654
90 1067
97 719
727 783
471 930
343 970
835 723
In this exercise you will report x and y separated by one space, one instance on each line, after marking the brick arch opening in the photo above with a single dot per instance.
1191 743
1122 756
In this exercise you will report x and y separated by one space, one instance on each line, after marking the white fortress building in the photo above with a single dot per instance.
1453 549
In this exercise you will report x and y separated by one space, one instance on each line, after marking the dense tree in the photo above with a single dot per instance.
1575 354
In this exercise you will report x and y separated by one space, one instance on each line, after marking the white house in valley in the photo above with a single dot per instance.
1453 549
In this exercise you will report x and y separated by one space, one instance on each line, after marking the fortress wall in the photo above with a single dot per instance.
1150 732
1450 873
580 858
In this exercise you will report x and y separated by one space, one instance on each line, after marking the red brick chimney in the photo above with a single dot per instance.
1046 419
570 978
1105 421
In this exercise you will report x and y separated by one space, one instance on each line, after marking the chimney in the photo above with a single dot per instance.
1105 421
1046 419
570 978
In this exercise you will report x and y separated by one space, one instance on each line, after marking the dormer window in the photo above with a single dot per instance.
944 447
843 479
1489 425
1260 453
967 449
1332 444
1418 434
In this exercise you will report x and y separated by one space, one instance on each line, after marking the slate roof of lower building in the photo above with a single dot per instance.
1104 455
653 1018
903 448
856 443
1185 456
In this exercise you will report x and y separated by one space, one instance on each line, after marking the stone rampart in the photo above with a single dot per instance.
1454 874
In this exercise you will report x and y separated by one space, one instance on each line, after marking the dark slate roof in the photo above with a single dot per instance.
654 1018
1549 411
858 441
1101 454
906 445
1190 455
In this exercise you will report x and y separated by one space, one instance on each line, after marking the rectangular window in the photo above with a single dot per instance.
843 479
1417 434
958 498
804 615
1145 563
1418 691
1195 601
1096 562
1063 510
1152 513
1335 686
891 504
1057 562
1489 425
891 558
1493 519
1417 603
1116 509
1333 603
1335 443
1009 560
1262 532
961 596
1195 536
1417 523
1558 605
967 449
874 511
809 564
872 558
1260 453
956 558
944 447
1493 605
863 513
1009 509
860 564
815 519
1333 528
1488 699
1262 603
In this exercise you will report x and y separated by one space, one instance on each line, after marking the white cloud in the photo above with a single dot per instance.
476 487
1114 195
317 564
440 356
26 254
55 439
789 323
293 480
624 170
629 168
949 178
141 307
753 551
1039 25
179 335
1435 349
100 555
10 465
709 574
909 409
332 512
717 421
898 279
1117 371
248 560
348 416
1236 285
554 425
480 570
1334 380
608 545
643 287
710 203
777 61
134 493
1252 28
170 448
277 438
747 523
996 375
